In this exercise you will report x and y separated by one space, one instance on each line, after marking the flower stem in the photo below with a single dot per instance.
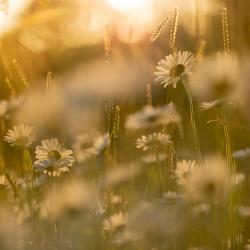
191 107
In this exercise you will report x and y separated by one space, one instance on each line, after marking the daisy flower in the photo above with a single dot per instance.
219 77
211 182
183 171
153 116
242 153
52 158
210 105
83 147
21 135
152 158
244 211
174 67
153 140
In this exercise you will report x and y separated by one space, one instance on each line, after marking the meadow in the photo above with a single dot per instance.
124 124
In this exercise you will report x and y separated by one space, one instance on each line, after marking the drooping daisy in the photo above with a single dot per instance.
153 140
52 158
174 67
151 116
21 135
184 169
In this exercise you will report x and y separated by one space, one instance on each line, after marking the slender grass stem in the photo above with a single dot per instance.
232 168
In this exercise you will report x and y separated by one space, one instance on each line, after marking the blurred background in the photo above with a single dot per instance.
59 35
101 49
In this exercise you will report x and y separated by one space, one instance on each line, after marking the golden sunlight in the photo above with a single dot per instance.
125 6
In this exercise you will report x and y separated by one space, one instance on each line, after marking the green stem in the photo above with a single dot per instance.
232 167
192 119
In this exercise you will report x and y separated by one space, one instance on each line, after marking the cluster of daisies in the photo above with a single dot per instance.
151 201
52 157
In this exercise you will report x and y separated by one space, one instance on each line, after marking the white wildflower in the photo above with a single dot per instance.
52 158
21 135
153 141
174 67
151 116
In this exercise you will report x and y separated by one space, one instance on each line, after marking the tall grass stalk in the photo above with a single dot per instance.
232 168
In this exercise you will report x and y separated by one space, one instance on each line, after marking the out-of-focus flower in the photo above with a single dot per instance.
210 183
218 77
174 67
115 222
122 174
125 237
170 198
247 246
9 106
52 158
83 147
102 143
21 135
152 158
201 209
151 221
239 178
244 211
184 170
116 199
151 116
87 146
242 153
69 199
210 105
153 141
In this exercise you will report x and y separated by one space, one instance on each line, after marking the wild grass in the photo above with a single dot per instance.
92 153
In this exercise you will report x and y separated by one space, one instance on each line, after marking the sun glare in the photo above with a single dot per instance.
127 5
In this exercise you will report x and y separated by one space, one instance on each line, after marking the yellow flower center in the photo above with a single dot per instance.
54 155
177 70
